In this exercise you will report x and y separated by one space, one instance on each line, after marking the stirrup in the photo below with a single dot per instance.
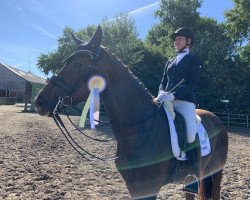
191 184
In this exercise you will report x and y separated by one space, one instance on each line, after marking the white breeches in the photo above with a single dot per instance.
187 110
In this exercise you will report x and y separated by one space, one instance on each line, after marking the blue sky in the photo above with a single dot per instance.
31 27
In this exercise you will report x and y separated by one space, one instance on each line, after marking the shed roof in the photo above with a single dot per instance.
28 76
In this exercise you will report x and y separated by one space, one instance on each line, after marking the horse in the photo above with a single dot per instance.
144 157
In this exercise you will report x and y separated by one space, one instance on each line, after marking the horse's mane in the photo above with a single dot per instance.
129 72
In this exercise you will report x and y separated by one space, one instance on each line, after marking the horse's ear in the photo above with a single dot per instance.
96 40
77 40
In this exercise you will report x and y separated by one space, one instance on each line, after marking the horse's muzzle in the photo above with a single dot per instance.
43 107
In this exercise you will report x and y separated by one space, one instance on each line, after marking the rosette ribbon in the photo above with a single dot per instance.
96 84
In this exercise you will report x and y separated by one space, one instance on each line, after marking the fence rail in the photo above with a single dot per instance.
235 120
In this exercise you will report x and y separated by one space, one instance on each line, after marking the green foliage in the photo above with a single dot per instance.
238 28
238 23
244 53
119 36
159 38
150 69
179 13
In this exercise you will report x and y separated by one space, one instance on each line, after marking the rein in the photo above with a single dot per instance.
80 150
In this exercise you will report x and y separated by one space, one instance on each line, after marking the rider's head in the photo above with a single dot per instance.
183 38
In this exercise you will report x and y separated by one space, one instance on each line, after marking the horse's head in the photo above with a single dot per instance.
71 82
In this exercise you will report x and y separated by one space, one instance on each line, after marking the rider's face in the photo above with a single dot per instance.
180 42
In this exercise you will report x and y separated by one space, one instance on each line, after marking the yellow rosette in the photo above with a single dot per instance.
97 82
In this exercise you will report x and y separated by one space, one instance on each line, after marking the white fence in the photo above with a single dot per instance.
234 120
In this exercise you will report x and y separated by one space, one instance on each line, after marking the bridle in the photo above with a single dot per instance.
66 99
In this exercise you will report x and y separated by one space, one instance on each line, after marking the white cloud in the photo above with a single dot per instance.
45 32
141 10
145 8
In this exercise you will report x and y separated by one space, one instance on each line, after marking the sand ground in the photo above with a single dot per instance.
36 162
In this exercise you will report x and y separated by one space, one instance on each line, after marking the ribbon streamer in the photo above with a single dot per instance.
96 95
93 105
91 111
85 111
94 108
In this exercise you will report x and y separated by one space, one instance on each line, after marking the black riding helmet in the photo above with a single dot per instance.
184 31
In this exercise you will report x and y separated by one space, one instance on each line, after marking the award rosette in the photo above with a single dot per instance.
96 84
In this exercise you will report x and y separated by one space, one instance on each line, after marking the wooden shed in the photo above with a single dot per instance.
17 85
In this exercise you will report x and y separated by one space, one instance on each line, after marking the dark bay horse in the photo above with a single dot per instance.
144 155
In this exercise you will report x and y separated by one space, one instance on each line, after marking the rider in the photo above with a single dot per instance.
185 67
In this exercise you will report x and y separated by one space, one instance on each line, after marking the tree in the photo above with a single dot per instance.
238 28
150 68
120 37
238 23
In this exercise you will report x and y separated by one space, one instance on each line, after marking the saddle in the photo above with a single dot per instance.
178 134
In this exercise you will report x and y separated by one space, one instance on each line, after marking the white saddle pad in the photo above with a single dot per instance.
202 134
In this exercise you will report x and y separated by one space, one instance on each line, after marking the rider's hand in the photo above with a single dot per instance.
164 96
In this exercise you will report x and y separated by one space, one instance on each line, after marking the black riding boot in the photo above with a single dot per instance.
191 183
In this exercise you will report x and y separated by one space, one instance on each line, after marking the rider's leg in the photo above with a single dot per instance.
187 110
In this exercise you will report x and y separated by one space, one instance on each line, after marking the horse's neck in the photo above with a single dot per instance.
125 100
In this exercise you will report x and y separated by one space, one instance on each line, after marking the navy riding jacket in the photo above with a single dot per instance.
189 69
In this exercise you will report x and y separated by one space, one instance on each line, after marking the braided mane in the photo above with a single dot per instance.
126 69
